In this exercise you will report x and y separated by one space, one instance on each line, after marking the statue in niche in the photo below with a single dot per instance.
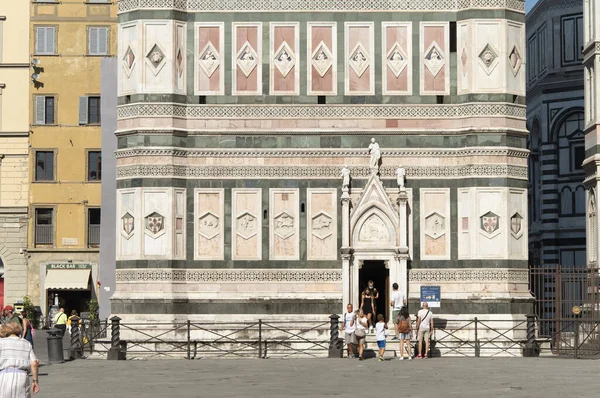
375 154
345 178
400 174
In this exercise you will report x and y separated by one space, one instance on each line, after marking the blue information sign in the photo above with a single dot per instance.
431 295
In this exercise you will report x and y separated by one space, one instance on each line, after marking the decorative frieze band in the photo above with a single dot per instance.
319 112
229 275
291 152
312 5
469 275
175 171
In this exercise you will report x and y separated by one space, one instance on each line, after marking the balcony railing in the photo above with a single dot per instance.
94 235
44 235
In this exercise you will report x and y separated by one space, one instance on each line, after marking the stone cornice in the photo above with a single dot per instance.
300 152
227 275
506 275
318 5
420 111
317 172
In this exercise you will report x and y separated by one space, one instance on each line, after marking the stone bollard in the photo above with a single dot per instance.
531 348
76 350
115 353
335 343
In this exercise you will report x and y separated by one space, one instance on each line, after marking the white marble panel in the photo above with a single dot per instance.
157 56
209 221
130 58
489 56
517 224
157 223
129 224
463 222
435 223
180 58
322 224
246 224
284 224
179 223
491 222
515 57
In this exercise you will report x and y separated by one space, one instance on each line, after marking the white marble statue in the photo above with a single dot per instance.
345 178
375 154
400 174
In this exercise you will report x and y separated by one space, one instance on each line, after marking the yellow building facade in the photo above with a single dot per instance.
14 143
67 42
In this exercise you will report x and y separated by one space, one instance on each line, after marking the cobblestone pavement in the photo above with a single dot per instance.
447 377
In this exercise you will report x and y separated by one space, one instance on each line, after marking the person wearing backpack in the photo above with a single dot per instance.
404 328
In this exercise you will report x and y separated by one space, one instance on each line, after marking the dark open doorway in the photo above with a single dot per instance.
375 271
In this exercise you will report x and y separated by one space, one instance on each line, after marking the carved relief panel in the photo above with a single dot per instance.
464 221
246 240
129 58
157 227
488 63
246 59
129 225
464 56
396 40
209 221
359 58
209 71
515 48
179 221
322 58
435 223
284 59
321 224
180 58
284 224
435 58
491 222
517 213
157 59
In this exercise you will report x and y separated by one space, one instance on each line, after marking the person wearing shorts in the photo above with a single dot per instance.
404 328
362 326
349 326
380 328
425 328
397 304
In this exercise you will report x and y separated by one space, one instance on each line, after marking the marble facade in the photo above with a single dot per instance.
288 151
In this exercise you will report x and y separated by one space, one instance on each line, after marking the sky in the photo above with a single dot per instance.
529 4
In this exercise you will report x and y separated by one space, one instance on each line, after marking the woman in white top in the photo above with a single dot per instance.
362 325
17 360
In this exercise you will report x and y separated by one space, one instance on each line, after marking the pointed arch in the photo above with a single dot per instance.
374 228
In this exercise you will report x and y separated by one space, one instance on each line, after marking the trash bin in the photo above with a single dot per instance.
55 346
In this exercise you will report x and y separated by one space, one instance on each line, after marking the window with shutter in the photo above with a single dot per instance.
40 40
93 41
45 40
97 41
83 110
40 110
103 41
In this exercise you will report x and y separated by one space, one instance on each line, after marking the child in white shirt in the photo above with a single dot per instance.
380 328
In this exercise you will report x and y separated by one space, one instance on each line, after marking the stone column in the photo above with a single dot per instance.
345 250
346 279
402 273
403 216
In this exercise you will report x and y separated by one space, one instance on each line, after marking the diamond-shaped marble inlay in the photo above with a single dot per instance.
155 56
359 59
434 59
209 59
128 60
285 59
397 59
463 60
179 59
322 59
128 224
516 221
488 57
515 60
247 59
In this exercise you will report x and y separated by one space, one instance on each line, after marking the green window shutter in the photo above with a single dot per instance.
103 41
40 109
83 110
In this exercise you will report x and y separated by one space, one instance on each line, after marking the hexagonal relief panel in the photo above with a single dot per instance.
435 225
246 225
155 223
283 225
322 225
208 225
128 224
489 222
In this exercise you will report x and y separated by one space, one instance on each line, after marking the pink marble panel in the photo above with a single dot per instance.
359 34
250 34
284 34
437 34
325 83
399 34
210 34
